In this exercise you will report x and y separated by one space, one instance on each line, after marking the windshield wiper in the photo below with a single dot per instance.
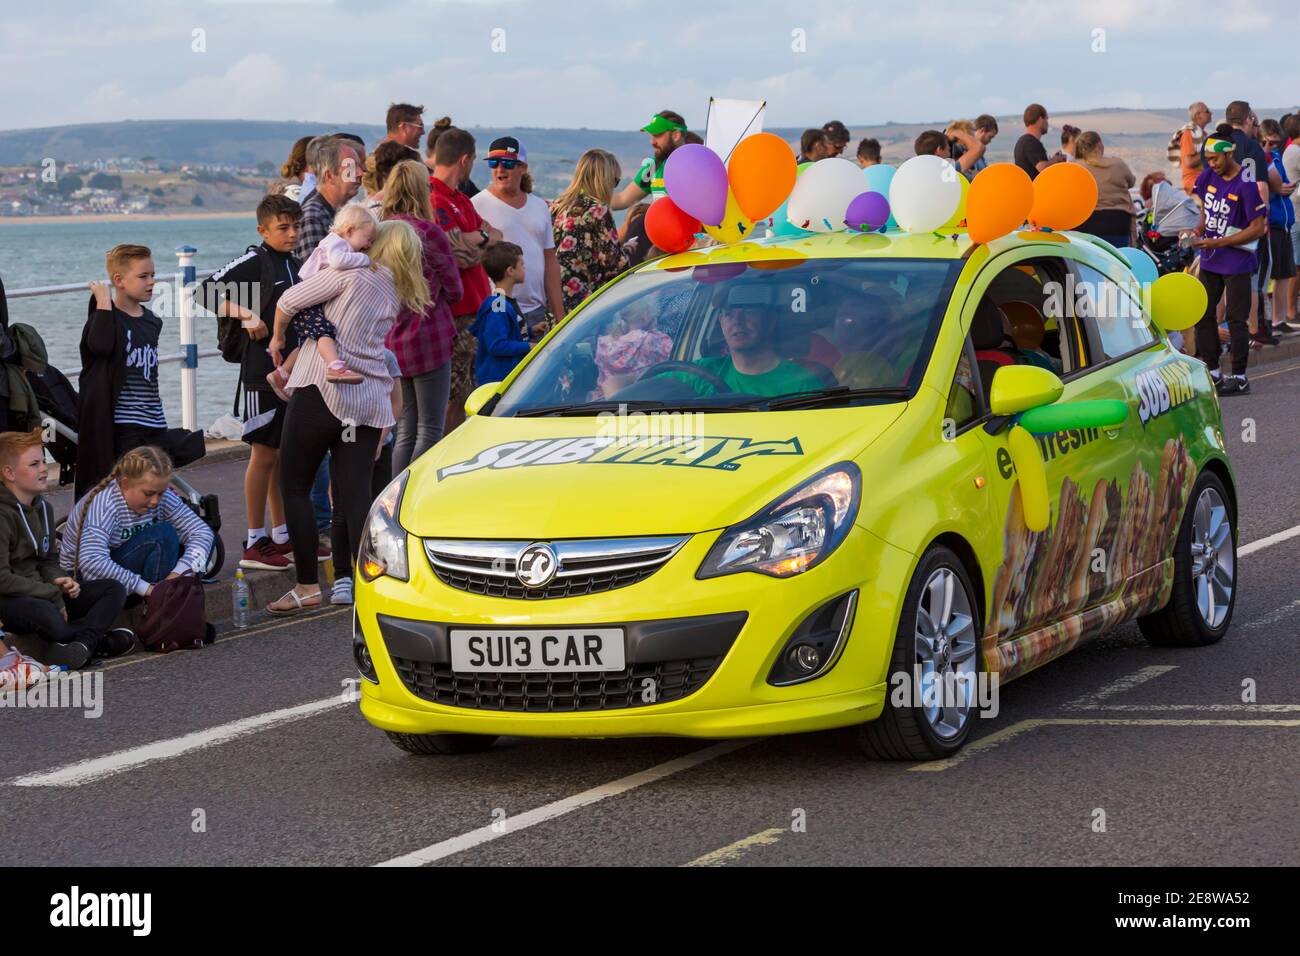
633 405
589 408
833 395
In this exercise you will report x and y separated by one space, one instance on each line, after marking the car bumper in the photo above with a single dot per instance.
735 699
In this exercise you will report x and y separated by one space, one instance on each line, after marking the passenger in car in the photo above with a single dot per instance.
1027 331
630 346
858 327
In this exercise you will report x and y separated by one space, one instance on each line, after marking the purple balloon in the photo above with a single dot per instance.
868 211
696 181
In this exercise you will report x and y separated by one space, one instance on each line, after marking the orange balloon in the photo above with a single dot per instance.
1065 194
1000 198
762 172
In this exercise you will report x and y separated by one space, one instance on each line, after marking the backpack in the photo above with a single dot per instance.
231 337
175 617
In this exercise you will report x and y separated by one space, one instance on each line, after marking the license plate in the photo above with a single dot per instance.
565 650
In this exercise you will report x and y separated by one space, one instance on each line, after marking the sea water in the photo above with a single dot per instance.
40 254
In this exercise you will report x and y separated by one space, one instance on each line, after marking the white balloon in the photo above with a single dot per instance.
822 194
924 194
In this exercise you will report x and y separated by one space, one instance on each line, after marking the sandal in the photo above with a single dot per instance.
340 374
300 603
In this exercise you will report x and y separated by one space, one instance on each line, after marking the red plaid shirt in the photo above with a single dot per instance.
422 340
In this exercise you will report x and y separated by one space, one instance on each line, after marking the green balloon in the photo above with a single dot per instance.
1103 413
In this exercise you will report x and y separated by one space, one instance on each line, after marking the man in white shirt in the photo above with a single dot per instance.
525 220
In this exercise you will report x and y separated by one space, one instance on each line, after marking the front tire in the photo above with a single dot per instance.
1205 572
937 645
445 745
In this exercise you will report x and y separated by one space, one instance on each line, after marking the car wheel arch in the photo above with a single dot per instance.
959 546
1219 468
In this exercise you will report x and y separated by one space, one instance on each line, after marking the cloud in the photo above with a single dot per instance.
609 63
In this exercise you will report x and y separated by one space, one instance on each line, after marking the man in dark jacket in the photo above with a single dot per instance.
36 594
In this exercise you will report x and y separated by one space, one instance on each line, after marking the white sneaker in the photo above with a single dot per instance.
341 593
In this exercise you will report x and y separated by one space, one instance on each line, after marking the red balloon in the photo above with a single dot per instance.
668 227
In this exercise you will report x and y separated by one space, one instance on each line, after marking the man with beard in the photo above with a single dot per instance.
667 131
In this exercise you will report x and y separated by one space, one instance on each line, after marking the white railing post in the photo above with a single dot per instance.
189 347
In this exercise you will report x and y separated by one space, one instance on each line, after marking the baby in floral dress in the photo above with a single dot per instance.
631 346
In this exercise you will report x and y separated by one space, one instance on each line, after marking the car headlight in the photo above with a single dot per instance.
796 532
383 540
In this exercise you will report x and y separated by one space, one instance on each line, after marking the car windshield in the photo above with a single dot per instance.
770 334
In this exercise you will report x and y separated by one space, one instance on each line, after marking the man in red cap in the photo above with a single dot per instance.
667 131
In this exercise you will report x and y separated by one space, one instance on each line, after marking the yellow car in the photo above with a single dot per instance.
839 481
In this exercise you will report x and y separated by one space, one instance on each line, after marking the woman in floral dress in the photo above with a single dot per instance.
586 242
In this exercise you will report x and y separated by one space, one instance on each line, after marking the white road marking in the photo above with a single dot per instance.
559 808
1125 683
1002 736
97 768
1213 708
1280 614
1268 542
734 851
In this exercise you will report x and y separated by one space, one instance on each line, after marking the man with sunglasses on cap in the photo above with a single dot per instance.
525 220
1234 217
667 131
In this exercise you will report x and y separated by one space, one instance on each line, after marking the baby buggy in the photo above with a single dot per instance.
1172 213
56 400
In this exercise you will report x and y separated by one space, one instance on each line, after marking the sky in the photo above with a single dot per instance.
609 64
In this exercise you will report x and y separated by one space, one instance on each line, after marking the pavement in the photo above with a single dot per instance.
253 752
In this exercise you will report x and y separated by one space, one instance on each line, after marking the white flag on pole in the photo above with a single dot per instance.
730 121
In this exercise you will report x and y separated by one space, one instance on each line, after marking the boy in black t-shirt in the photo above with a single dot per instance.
247 290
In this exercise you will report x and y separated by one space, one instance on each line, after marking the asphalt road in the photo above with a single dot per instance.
1118 753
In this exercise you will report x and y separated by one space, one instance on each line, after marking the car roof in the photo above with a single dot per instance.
891 245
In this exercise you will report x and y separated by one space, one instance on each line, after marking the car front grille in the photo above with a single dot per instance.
561 692
490 568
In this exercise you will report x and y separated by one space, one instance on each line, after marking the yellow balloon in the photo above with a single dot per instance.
735 225
1032 476
960 214
1177 301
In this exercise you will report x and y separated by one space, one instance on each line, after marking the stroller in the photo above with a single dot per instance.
57 400
1171 213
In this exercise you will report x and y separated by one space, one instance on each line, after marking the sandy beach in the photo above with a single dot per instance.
122 217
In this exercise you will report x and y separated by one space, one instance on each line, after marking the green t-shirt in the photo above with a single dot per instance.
788 377
650 177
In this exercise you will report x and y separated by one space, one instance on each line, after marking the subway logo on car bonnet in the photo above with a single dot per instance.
720 452
1163 388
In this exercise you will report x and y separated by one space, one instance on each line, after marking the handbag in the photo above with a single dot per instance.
175 616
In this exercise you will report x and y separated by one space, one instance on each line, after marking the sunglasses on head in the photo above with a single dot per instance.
503 163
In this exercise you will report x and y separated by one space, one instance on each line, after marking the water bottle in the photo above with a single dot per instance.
243 609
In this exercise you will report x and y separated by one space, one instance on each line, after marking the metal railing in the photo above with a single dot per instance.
189 354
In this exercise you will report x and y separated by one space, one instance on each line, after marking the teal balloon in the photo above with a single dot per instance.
1144 270
879 177
782 226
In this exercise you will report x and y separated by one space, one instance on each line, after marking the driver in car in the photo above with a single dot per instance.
752 366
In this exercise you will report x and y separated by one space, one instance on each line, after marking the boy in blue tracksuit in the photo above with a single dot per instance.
498 326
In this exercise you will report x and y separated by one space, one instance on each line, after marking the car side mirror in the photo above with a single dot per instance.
480 397
1018 388
1030 392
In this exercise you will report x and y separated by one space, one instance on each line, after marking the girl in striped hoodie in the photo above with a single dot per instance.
133 528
